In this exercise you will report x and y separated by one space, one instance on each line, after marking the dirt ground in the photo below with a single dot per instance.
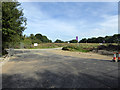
89 55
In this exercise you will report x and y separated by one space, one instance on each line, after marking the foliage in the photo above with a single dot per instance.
73 41
109 47
108 39
34 39
84 40
30 40
27 41
42 38
48 45
80 47
13 23
59 41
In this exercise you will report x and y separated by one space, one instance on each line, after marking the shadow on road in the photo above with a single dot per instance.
58 80
47 70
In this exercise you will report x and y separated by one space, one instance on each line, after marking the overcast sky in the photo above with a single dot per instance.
66 20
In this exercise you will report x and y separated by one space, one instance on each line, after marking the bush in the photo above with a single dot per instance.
109 47
4 52
67 48
101 47
76 48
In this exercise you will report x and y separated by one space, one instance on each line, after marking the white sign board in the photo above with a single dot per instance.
35 44
100 43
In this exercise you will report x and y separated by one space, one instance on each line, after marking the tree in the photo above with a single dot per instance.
100 39
45 39
73 41
84 40
32 36
59 41
116 38
34 39
13 23
0 29
107 39
38 36
42 38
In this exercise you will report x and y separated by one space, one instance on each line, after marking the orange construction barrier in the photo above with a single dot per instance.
114 57
119 57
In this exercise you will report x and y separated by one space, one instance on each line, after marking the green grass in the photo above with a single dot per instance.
80 47
46 45
84 47
87 47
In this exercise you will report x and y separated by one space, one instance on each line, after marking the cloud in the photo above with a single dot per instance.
39 22
110 22
107 27
68 0
65 21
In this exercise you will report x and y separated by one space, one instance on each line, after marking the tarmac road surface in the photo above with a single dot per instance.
43 69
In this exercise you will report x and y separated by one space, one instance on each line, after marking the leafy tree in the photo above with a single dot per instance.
0 29
59 41
13 23
116 38
0 17
34 39
108 39
100 39
32 36
38 36
50 41
45 39
42 38
27 41
73 41
83 40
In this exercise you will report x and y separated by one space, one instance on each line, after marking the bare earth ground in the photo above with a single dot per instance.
59 69
82 55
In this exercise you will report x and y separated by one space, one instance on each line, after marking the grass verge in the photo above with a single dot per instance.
80 47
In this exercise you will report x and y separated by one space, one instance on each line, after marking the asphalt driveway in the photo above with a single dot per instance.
43 69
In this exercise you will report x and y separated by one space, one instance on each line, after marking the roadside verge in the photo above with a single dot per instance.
3 60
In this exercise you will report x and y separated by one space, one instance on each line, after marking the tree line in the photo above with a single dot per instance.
107 39
71 41
38 38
